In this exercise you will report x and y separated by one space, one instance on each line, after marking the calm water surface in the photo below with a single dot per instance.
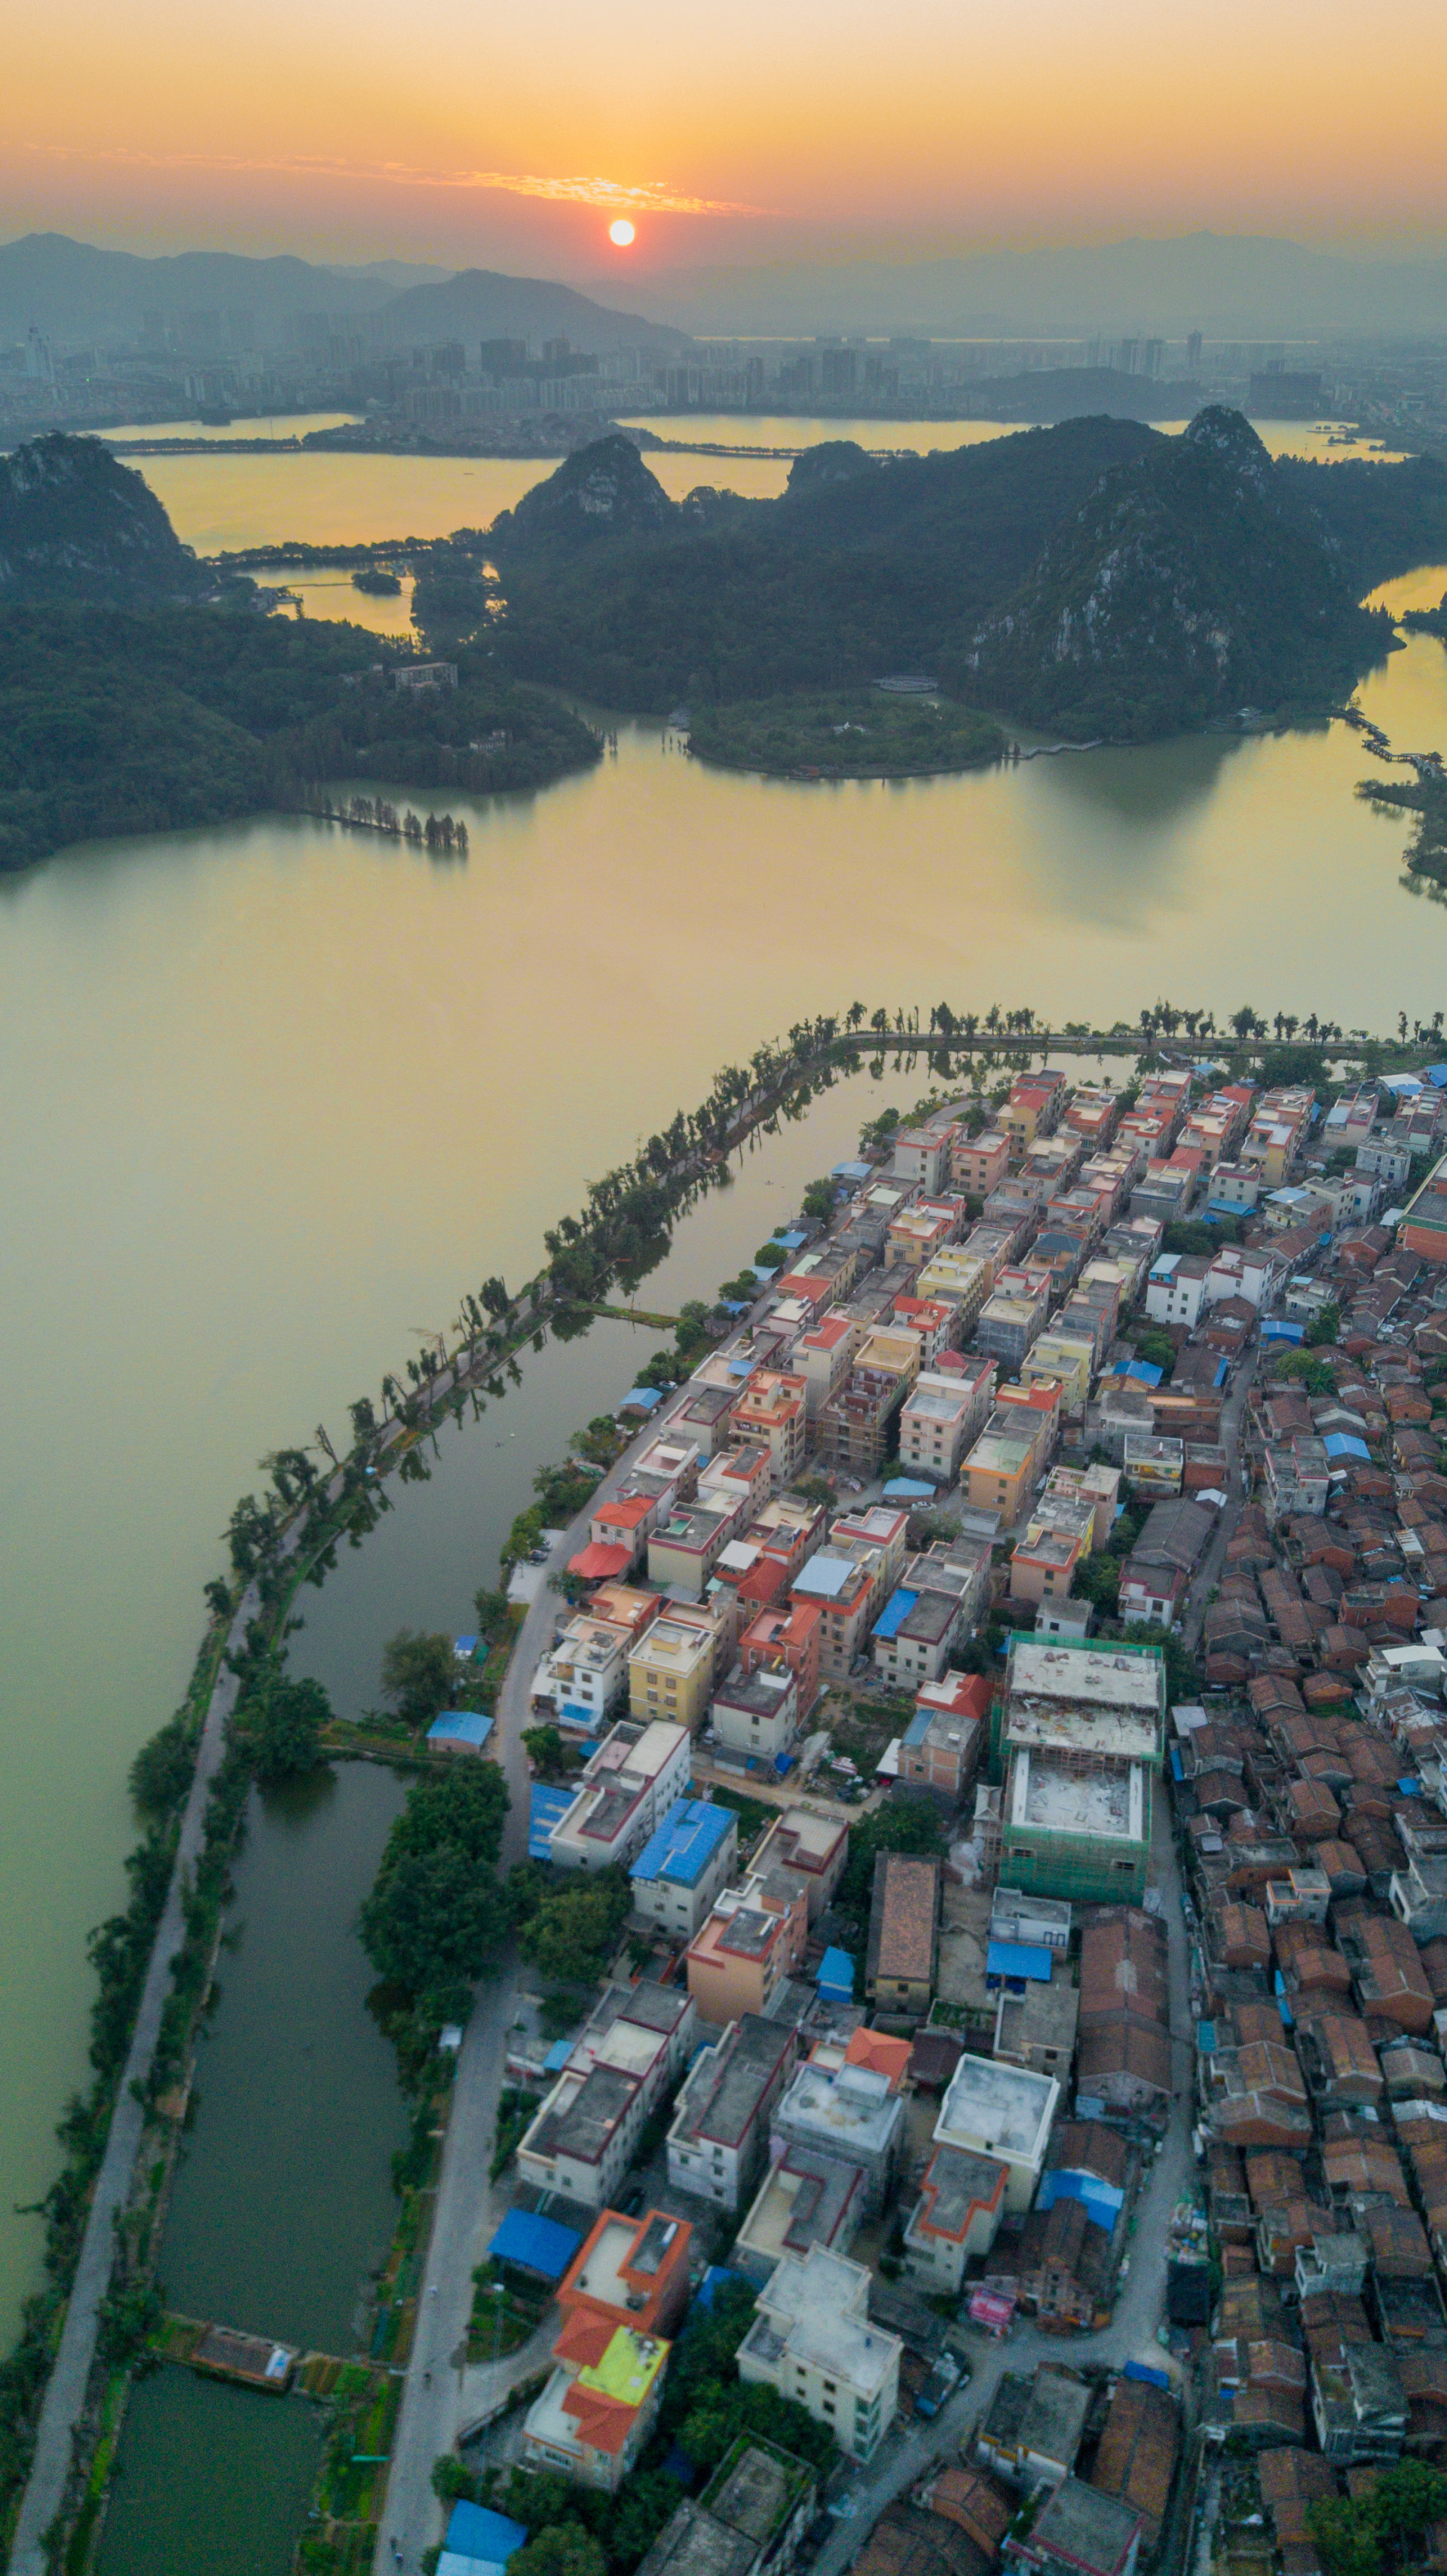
276 1095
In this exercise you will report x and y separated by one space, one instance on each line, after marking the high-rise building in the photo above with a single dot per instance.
1193 354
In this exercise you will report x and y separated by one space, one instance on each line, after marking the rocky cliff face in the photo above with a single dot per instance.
601 491
1191 583
75 523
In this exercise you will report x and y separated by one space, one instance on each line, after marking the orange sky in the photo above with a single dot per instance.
739 132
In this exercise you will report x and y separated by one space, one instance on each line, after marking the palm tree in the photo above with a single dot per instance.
855 1015
992 1018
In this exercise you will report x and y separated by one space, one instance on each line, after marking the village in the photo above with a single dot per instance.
1008 1674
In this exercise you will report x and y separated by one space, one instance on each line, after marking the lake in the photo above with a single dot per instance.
276 1095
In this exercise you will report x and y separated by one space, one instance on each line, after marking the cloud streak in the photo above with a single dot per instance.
646 196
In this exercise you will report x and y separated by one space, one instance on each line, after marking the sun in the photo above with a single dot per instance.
621 233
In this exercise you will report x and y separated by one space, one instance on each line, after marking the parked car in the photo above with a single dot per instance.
942 2382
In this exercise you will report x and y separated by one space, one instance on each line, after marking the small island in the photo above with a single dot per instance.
856 733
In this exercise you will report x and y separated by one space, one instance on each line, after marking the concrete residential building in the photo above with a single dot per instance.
903 1936
581 2140
848 2111
935 1326
752 2514
684 1549
960 1278
916 1632
1007 1325
853 1427
754 1938
999 1472
684 1865
1032 2432
978 1164
670 1673
808 1849
823 1358
843 1589
1176 1288
1004 2112
585 1672
804 2199
720 2128
1068 1356
880 1528
957 2216
773 1413
631 2271
939 1422
600 2404
1078 2532
627 1788
757 1712
941 1746
793 1635
812 2341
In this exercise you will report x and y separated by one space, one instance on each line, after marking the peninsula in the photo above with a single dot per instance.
994 1422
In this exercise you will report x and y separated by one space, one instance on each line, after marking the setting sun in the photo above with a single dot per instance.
621 232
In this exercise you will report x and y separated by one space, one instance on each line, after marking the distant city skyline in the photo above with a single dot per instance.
756 135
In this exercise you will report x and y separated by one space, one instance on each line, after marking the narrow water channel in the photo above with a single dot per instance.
283 2200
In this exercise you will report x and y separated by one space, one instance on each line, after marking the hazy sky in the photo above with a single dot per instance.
742 131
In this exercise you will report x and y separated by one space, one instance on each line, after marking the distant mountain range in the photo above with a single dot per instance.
1228 286
72 290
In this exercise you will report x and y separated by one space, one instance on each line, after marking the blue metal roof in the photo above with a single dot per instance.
1278 1330
836 1973
1144 1370
850 1172
460 1726
642 1398
466 1647
557 2057
908 1489
1206 2038
546 1808
540 2244
1344 1444
483 2537
793 1240
896 1610
685 1842
1018 1959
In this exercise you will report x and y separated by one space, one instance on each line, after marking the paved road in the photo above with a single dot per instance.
70 2374
441 2398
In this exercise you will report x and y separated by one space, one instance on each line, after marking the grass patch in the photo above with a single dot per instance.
855 733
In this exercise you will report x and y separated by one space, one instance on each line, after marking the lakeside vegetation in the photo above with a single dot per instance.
118 720
1424 796
852 734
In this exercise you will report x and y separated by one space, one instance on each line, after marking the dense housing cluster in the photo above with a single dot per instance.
1141 1951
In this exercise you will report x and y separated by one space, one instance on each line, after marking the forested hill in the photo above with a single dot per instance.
1192 582
867 566
75 523
862 567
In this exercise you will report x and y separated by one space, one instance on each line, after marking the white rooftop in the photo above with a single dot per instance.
998 2111
818 2309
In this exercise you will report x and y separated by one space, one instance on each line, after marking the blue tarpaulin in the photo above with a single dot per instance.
836 1975
1144 1370
484 2538
1099 2200
1437 1076
1018 1959
1176 1771
1206 2038
546 1808
1345 1444
542 2245
896 1610
906 1489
